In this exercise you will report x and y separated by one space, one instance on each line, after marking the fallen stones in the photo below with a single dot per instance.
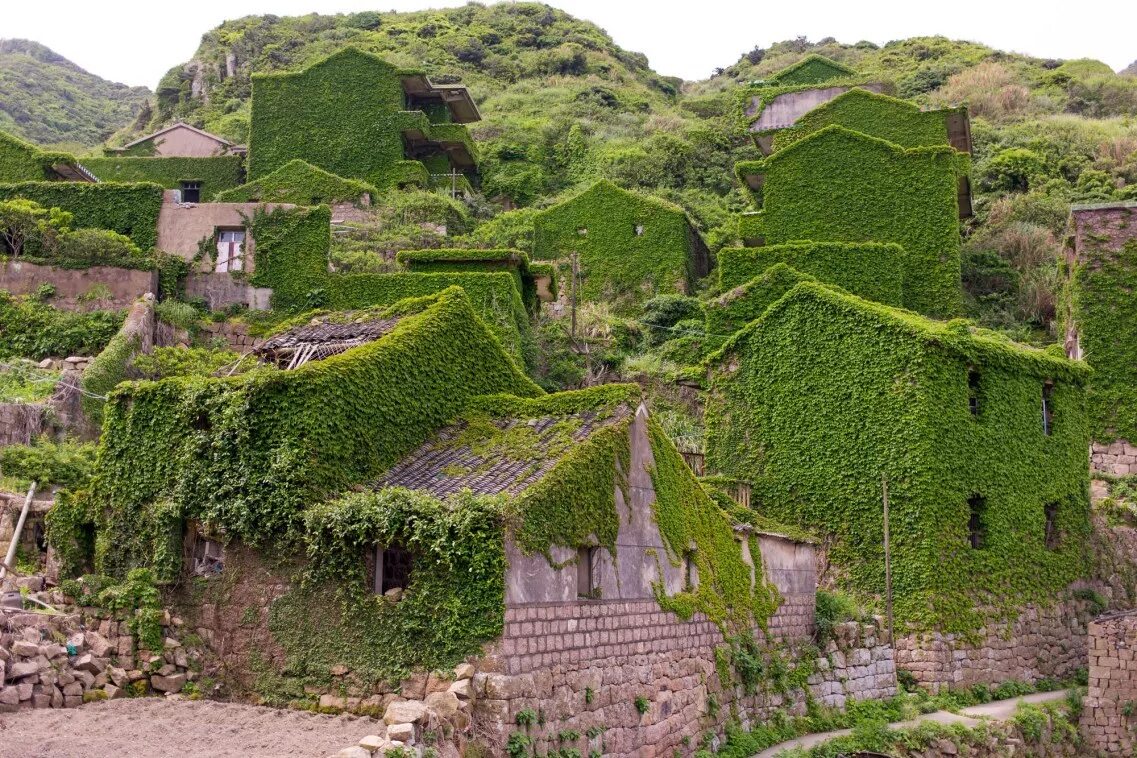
463 688
404 733
173 683
405 712
445 704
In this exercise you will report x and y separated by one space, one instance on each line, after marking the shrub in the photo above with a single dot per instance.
833 608
36 330
98 247
66 464
663 312
991 90
165 362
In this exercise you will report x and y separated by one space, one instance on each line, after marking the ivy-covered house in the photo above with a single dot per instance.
1100 324
840 185
359 117
828 400
24 162
627 247
812 69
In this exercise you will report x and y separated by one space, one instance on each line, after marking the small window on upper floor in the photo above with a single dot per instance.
393 564
582 231
1052 534
191 192
639 230
973 391
586 579
977 521
1047 408
690 571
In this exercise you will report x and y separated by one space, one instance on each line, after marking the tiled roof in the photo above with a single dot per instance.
451 461
312 342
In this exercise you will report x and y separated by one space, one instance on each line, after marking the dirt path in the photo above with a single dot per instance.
158 728
1000 710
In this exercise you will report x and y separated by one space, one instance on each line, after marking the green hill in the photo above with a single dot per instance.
49 100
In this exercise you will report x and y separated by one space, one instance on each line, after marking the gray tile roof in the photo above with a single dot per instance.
451 461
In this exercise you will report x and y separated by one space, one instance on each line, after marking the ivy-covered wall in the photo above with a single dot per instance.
1098 314
737 307
344 114
827 393
291 258
473 260
631 247
130 209
215 173
299 183
812 69
872 270
24 162
842 186
889 118
249 454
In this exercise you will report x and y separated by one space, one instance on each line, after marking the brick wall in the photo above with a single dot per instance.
1040 643
1113 685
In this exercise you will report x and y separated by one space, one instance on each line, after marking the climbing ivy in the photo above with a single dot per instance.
215 173
24 162
129 209
300 183
248 454
812 69
631 247
842 186
871 270
467 259
736 308
826 393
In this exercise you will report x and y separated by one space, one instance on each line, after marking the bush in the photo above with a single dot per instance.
833 608
99 247
165 362
36 330
66 464
662 312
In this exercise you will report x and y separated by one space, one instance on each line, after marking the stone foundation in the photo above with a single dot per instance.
1114 458
1109 716
234 333
62 661
1041 643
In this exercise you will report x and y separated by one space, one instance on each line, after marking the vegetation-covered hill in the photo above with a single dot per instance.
49 100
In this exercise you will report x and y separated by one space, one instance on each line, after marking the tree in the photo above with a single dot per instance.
23 222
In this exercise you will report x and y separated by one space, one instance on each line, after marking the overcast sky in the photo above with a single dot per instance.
136 42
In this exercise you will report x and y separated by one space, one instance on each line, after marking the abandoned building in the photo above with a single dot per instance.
977 443
391 126
178 140
1100 327
621 246
21 161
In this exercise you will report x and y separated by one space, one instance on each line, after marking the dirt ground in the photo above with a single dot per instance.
158 728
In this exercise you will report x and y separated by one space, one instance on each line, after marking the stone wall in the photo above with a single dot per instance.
1043 642
58 416
73 285
61 661
1114 458
1109 715
20 423
220 289
234 333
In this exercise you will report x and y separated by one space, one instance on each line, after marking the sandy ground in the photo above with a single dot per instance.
157 728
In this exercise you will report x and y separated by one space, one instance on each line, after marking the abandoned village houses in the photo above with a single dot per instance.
379 505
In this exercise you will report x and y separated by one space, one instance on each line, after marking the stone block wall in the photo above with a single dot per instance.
1115 458
220 289
1043 642
62 661
20 423
72 285
585 665
235 334
1109 715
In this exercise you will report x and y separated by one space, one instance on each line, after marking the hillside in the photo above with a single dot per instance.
49 100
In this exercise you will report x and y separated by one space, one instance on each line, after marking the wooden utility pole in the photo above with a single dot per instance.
10 558
573 295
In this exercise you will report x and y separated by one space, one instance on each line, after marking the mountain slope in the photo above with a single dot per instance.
49 100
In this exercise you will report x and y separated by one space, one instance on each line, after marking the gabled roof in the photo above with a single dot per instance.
838 69
505 445
981 346
171 127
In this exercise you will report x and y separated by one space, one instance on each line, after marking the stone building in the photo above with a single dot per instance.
829 404
1100 326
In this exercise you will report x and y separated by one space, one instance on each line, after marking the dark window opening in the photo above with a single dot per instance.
1047 409
690 571
393 564
586 572
191 192
976 524
973 391
1053 536
39 536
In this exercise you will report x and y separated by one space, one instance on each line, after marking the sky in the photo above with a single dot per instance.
137 42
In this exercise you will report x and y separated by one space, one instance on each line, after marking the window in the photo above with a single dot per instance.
191 192
582 231
1047 408
208 557
690 571
639 230
1053 536
393 565
586 572
230 250
976 524
973 391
